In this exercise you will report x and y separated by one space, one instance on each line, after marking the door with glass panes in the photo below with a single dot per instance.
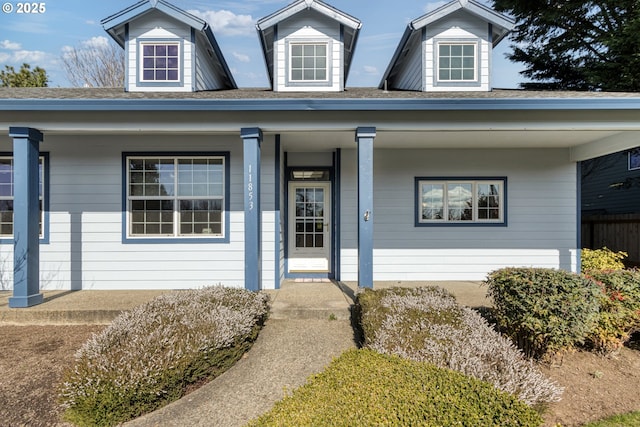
309 227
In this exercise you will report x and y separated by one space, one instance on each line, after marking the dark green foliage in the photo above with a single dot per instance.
543 310
619 308
576 45
364 388
26 77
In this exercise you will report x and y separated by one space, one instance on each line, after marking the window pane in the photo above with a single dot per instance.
309 75
172 50
309 50
468 50
321 75
432 201
460 201
445 50
456 50
296 75
296 50
468 75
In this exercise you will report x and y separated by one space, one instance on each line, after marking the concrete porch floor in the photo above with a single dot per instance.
294 300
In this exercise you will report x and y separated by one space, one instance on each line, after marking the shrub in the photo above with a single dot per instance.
149 355
601 259
364 388
427 324
544 311
619 315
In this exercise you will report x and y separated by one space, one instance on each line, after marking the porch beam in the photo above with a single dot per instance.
26 217
611 144
252 139
364 140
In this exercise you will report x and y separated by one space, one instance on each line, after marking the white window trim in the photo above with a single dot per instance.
289 43
633 159
499 182
436 62
167 42
176 211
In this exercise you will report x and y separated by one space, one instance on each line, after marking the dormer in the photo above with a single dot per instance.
308 46
448 49
168 49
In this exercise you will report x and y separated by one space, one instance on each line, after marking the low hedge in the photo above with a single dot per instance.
365 388
543 310
619 315
427 324
148 356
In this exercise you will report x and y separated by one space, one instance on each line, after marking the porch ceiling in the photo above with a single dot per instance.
586 133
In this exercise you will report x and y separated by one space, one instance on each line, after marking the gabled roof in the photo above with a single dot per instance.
116 24
267 29
501 25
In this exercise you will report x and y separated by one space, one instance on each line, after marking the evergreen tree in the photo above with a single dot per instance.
576 45
26 77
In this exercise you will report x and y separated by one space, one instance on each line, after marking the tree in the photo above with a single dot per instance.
26 77
97 65
576 45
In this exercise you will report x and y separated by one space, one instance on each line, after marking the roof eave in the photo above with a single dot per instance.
293 8
471 6
134 11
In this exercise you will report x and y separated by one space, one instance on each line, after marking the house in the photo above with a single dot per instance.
136 189
610 199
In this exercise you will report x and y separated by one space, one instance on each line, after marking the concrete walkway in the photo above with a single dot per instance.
309 325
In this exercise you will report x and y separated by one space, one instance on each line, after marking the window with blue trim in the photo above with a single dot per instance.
7 192
176 196
460 201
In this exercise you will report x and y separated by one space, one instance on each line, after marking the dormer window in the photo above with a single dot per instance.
160 62
308 62
457 62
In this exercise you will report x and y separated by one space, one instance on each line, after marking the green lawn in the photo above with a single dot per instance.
625 420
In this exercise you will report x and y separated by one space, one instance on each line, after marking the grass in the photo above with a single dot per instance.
631 419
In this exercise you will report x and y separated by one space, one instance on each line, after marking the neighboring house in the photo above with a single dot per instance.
611 184
112 189
610 199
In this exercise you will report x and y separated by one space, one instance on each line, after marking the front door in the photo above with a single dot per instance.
309 227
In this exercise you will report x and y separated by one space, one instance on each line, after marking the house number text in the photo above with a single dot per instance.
250 188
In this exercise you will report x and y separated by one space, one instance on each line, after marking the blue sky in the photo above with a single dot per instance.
41 39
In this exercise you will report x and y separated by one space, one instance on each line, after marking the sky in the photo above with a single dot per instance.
41 39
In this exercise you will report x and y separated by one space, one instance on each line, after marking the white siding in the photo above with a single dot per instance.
159 26
541 231
86 249
308 26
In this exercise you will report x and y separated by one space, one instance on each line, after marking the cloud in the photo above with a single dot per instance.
434 5
241 57
9 45
96 42
370 69
30 56
228 23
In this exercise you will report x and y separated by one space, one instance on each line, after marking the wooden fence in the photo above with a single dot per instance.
616 232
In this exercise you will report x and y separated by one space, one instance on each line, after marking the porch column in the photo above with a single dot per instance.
26 217
364 139
252 138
